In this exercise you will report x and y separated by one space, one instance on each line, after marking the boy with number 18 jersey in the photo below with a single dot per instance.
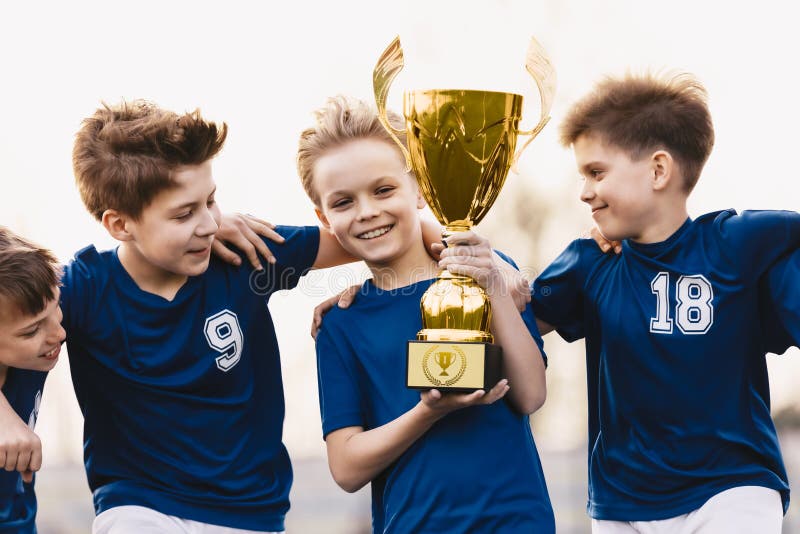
680 434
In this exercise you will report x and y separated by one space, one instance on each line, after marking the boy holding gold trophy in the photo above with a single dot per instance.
458 462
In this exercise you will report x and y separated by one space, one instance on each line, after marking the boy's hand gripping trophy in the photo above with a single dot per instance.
460 147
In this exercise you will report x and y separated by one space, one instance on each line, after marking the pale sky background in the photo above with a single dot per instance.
263 67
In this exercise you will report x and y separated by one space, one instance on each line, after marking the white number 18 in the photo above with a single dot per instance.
694 308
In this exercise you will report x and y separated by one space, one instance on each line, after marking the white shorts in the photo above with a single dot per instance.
742 510
141 520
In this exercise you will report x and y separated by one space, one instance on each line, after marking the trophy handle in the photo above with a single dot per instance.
541 69
388 66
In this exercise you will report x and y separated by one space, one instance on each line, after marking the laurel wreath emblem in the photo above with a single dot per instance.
461 368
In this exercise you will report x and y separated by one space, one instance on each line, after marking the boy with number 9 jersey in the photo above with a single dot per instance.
173 352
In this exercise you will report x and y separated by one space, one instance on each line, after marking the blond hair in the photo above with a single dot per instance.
340 121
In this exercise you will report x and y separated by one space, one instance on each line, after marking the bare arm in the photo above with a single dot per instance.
432 237
471 255
245 232
522 359
20 447
356 456
331 253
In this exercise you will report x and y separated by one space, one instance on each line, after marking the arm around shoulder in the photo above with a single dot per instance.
330 252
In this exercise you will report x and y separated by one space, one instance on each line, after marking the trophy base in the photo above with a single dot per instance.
453 366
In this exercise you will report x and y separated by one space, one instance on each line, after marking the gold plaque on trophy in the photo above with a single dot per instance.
461 145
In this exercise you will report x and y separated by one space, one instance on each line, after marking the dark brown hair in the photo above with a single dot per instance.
648 112
340 121
29 274
124 154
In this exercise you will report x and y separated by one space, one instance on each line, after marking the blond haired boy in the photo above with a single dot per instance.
436 463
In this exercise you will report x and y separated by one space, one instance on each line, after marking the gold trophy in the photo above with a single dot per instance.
460 147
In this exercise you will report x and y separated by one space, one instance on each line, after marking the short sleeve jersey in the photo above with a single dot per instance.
183 399
781 304
475 470
677 379
23 390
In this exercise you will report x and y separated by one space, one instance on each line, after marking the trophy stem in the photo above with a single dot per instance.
455 227
451 228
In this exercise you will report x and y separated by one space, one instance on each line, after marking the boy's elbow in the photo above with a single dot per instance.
349 484
538 402
352 488
532 402
347 481
530 407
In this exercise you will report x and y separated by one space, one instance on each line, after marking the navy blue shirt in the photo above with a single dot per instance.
183 399
476 470
677 379
23 390
781 304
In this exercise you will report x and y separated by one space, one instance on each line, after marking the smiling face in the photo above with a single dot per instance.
620 191
172 238
30 341
370 203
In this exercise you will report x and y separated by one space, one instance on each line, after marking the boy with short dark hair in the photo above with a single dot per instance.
680 434
30 342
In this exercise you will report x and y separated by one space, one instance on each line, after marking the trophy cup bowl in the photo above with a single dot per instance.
461 145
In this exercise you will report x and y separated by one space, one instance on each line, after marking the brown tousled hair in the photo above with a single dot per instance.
648 112
340 121
29 274
124 154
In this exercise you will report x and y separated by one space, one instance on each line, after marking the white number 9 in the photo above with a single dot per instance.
224 335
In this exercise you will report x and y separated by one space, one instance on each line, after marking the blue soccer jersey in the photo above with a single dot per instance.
475 470
677 379
23 390
781 304
183 399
